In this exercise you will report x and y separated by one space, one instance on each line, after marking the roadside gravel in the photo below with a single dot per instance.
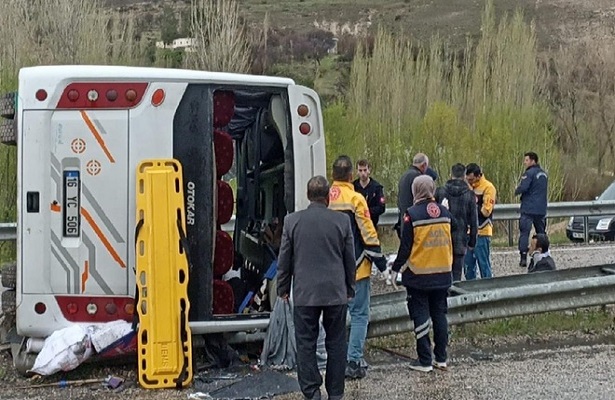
549 367
519 368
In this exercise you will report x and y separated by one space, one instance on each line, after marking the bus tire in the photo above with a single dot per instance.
9 302
9 275
8 132
7 105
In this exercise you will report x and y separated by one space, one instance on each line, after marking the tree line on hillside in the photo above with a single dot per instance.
487 103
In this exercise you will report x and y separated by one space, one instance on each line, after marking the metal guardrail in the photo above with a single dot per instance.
504 297
478 300
511 212
502 212
8 231
507 212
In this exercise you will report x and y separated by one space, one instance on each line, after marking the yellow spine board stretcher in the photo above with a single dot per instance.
164 337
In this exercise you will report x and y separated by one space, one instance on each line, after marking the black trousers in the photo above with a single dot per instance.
424 305
306 334
525 226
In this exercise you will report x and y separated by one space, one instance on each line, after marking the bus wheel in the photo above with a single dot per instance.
7 105
9 277
8 132
9 302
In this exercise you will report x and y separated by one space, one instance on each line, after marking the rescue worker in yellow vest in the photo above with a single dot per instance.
485 201
426 255
343 198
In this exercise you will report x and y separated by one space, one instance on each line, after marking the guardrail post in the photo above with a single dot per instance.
510 233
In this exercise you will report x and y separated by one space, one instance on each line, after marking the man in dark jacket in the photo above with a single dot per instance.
432 172
533 191
371 190
420 163
539 253
459 198
317 253
426 249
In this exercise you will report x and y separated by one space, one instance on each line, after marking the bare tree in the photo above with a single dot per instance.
221 43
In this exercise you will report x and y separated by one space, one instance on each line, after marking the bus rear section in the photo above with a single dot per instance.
247 146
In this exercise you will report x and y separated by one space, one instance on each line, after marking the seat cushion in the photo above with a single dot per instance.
224 254
224 299
226 202
224 107
223 148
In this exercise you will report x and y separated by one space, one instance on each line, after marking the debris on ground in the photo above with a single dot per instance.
64 350
255 385
111 382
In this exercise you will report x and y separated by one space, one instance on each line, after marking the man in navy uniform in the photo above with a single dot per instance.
533 191
371 189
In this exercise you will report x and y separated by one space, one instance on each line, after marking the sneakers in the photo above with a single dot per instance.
523 260
355 371
440 365
417 366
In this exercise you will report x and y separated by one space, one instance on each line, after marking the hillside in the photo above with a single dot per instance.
558 22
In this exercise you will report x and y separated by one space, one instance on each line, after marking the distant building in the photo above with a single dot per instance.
187 44
333 49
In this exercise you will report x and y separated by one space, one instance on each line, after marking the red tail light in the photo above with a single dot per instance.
96 309
72 308
305 128
111 308
40 308
41 95
101 95
111 94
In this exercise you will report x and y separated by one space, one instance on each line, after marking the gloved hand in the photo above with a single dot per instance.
381 263
394 278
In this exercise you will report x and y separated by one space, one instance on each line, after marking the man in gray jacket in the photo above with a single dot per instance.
420 166
317 254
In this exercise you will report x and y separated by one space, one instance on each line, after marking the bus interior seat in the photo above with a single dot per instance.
224 255
224 152
224 107
223 301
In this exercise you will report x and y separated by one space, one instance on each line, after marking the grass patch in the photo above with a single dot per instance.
583 320
587 320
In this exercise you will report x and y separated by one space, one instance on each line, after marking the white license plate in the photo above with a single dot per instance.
577 235
72 204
